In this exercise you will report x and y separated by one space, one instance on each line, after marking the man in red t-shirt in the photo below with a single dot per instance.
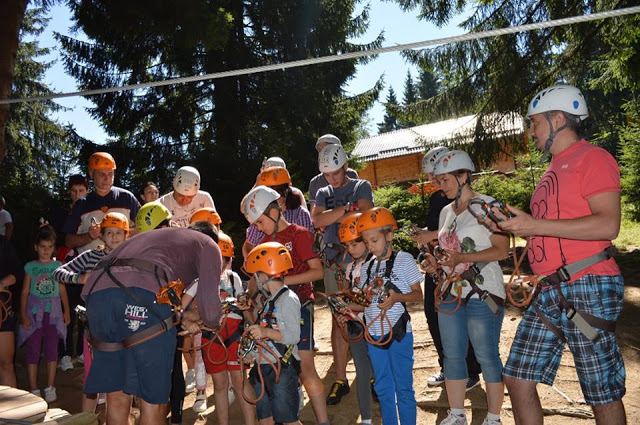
260 207
575 216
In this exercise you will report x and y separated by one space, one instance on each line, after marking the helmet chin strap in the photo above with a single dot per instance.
552 135
386 248
459 193
276 221
260 284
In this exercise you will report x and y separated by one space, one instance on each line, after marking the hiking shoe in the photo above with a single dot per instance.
472 382
50 394
454 420
81 359
190 381
339 389
65 363
232 396
36 392
488 421
200 404
435 380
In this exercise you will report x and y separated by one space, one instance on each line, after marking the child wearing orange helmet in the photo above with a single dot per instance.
214 353
114 229
278 325
392 362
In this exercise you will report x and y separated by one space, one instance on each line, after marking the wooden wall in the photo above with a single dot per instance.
409 167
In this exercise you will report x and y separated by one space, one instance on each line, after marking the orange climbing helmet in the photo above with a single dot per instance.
376 218
226 244
101 161
274 176
206 214
115 219
271 258
348 230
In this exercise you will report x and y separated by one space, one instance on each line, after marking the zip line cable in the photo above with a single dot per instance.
340 57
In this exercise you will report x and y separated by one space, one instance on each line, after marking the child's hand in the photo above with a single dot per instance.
429 264
67 318
26 323
83 278
257 331
389 300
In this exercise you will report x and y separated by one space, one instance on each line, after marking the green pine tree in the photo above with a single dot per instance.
390 119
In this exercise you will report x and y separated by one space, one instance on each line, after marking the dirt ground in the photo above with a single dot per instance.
559 402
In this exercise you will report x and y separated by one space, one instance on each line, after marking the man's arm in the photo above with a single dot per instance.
602 224
323 217
75 240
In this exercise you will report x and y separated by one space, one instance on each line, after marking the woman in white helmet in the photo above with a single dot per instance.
469 243
186 196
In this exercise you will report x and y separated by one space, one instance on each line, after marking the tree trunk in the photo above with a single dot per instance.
10 21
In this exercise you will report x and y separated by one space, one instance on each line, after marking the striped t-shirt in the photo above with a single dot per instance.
404 274
83 263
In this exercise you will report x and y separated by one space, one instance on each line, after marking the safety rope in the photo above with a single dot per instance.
340 57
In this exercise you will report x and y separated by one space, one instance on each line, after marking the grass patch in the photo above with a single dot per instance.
629 234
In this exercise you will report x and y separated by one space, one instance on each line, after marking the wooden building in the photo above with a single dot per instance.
396 157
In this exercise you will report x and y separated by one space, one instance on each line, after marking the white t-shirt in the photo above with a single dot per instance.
463 233
5 218
181 215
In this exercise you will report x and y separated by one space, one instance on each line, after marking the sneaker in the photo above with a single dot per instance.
36 392
435 380
472 382
488 421
232 396
190 381
454 420
200 404
50 394
339 389
301 396
65 363
81 359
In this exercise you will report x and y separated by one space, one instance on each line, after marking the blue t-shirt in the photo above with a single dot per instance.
330 198
96 206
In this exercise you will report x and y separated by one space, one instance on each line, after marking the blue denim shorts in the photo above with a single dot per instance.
536 351
473 322
143 370
281 400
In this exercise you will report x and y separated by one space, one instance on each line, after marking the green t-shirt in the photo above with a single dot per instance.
43 285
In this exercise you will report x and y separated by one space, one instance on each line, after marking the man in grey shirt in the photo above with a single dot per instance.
320 181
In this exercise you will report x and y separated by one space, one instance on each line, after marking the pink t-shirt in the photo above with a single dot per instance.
574 175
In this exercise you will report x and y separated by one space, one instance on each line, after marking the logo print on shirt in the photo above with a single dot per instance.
135 316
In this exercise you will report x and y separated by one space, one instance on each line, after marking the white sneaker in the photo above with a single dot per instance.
200 404
488 421
36 392
301 394
50 394
454 420
190 381
81 359
232 396
66 364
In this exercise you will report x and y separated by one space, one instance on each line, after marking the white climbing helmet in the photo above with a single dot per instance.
331 158
187 181
562 97
453 161
274 161
256 202
431 157
328 138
